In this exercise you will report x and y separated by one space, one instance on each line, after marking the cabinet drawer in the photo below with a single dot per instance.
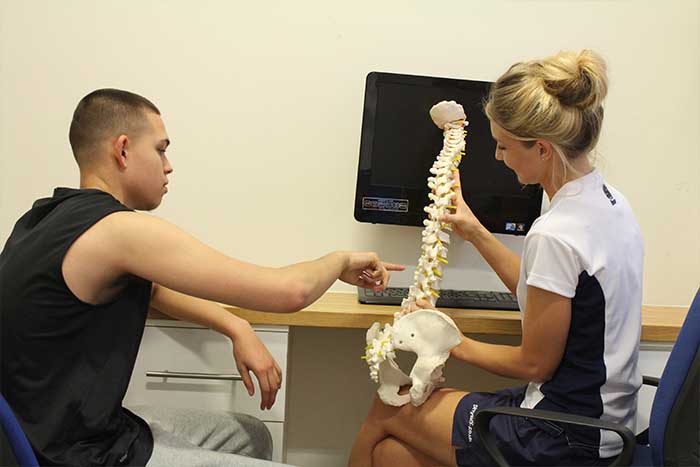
205 374
277 432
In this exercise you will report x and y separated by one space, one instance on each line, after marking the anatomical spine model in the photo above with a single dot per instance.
428 333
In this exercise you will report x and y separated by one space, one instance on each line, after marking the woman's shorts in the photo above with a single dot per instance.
523 441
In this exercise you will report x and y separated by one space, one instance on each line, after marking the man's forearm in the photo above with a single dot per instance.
196 310
502 260
317 276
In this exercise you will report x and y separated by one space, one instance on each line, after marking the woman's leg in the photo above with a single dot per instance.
426 429
391 452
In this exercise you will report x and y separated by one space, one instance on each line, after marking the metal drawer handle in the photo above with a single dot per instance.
179 374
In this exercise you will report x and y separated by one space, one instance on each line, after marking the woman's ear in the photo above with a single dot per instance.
544 149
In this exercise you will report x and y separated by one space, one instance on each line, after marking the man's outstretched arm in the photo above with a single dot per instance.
148 247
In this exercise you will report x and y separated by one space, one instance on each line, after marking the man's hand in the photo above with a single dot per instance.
366 270
252 355
445 112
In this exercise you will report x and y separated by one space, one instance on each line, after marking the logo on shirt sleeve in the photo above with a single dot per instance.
613 201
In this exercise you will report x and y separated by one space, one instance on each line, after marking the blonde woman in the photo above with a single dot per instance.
578 283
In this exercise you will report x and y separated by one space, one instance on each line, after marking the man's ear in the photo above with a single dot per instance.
121 151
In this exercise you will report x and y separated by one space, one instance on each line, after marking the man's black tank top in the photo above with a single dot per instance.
66 364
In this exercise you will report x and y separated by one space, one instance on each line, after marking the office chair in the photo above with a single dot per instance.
24 455
672 438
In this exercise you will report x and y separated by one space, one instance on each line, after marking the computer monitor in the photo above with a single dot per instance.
399 144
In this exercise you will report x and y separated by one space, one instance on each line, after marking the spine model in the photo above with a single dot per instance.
432 339
436 234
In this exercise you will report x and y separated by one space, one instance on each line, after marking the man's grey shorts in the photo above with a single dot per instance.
198 438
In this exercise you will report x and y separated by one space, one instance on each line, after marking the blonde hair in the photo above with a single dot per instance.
558 99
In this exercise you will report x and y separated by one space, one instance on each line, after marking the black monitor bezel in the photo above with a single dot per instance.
415 197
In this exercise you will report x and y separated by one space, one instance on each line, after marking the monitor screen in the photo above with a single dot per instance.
399 144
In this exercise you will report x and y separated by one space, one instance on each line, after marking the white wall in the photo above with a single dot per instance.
263 102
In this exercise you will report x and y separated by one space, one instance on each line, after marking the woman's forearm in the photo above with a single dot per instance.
503 360
502 260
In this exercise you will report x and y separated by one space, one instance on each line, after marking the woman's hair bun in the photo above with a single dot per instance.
576 79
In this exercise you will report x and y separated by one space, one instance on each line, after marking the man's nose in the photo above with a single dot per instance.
167 167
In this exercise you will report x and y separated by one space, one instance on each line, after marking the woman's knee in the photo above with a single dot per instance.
391 452
387 452
380 410
388 418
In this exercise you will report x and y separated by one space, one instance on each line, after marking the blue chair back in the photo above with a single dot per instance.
673 423
15 436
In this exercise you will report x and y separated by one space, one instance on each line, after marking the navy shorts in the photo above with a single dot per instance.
523 441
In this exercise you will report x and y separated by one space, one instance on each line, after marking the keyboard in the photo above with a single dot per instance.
476 299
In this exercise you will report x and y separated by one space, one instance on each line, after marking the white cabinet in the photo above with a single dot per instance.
183 365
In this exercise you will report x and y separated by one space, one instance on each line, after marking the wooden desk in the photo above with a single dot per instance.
341 310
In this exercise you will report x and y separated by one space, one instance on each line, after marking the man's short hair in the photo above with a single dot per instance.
106 113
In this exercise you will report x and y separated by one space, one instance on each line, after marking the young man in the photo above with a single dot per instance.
78 274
